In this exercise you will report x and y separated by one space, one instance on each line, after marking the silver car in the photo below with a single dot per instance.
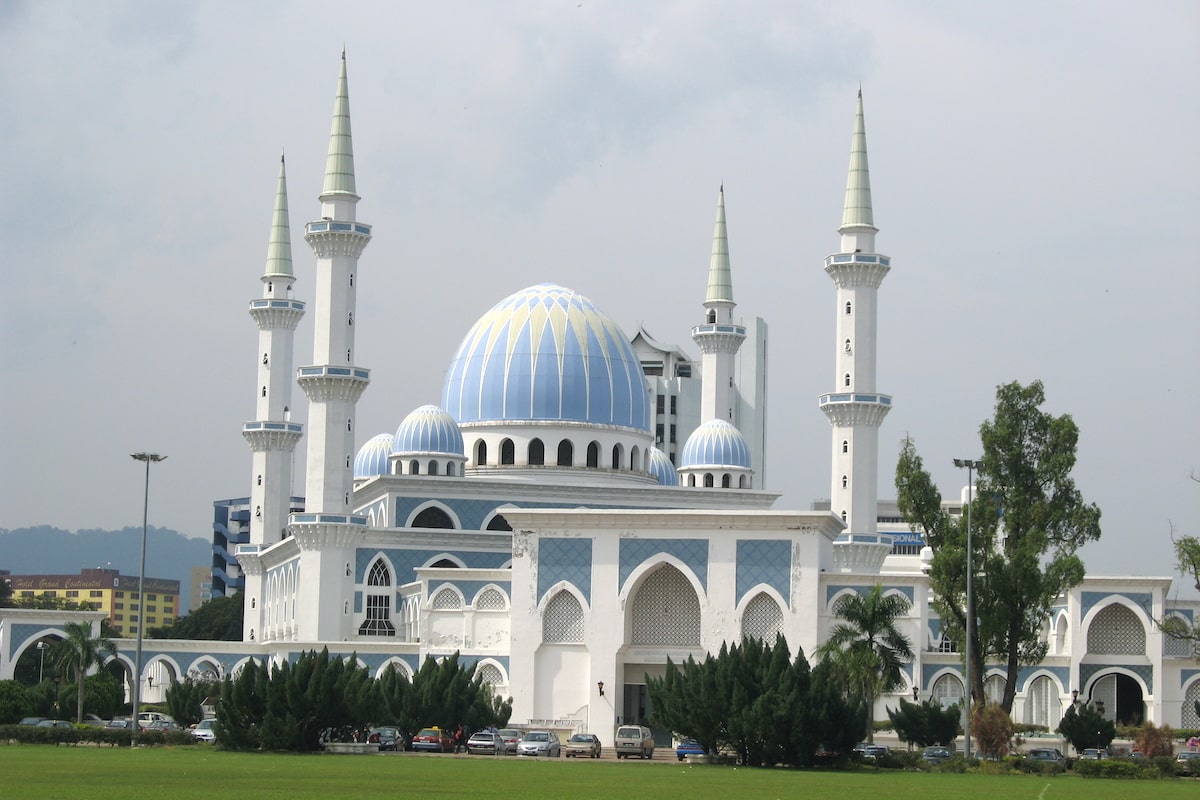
540 743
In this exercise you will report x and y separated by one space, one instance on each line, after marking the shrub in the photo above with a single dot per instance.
1114 768
1153 740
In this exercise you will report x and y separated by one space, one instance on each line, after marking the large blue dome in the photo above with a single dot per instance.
547 353
429 429
716 443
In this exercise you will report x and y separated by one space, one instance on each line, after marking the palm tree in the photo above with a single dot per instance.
868 645
79 652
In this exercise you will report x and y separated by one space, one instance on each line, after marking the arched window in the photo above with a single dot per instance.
508 452
665 611
725 481
712 316
351 278
260 480
848 306
845 481
446 600
593 455
742 482
562 621
844 518
537 453
490 599
498 523
264 391
635 458
433 517
491 675
566 453
1043 705
433 468
708 480
1116 631
845 445
691 480
450 469
848 348
378 620
414 467
762 619
846 380
481 453
616 456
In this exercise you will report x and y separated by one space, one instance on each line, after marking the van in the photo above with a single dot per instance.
146 717
634 740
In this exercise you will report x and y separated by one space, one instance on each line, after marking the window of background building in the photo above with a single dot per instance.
151 597
118 617
95 593
72 593
119 605
119 594
674 403
50 593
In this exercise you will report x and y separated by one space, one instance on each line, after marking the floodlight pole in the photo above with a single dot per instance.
149 458
971 465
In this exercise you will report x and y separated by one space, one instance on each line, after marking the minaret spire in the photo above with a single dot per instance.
279 246
339 163
855 408
720 279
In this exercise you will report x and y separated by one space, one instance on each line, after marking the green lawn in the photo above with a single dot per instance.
90 773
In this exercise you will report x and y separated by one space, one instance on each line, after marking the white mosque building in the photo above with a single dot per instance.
583 504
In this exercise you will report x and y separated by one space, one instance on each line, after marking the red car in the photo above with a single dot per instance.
434 739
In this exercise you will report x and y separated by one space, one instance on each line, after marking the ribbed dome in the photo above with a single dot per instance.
372 458
547 353
716 443
429 429
662 468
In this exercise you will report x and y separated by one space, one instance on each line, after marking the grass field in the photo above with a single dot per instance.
34 772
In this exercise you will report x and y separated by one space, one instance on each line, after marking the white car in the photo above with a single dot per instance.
204 731
540 743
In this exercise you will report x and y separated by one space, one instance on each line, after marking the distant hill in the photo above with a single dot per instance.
53 551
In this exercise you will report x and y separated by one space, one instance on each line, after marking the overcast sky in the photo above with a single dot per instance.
1033 166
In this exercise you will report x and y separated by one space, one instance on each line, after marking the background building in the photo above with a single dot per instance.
109 591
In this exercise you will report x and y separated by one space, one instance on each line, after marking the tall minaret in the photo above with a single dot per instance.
327 530
718 338
272 436
855 409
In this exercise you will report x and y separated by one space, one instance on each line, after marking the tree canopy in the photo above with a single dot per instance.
1029 521
219 619
78 653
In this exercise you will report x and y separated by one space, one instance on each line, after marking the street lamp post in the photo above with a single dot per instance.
148 458
41 646
971 465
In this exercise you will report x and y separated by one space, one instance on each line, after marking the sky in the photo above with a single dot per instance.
1030 168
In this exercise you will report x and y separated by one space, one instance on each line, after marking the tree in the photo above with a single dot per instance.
1152 740
185 698
14 703
1083 726
868 645
78 653
5 593
1029 521
1187 562
993 729
926 723
219 619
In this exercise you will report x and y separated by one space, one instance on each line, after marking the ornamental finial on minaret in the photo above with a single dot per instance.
720 278
279 247
339 164
857 211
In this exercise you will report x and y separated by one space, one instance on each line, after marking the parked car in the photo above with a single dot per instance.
540 743
162 725
1187 761
93 720
54 723
689 747
31 720
482 742
433 739
634 740
1047 754
583 744
507 741
1092 754
118 724
386 736
204 731
873 752
935 754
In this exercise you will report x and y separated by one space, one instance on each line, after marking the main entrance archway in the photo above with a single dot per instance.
1122 699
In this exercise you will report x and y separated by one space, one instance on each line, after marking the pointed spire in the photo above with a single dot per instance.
339 164
720 278
857 212
279 247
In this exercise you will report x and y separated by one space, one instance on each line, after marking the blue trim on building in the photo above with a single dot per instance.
692 552
766 561
1089 599
567 560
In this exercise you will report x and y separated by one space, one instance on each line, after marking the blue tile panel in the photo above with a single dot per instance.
404 562
1186 675
567 560
1089 599
1143 671
764 561
692 552
473 513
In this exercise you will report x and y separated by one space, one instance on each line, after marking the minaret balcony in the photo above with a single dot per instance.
276 314
264 436
718 337
858 269
325 383
328 238
851 408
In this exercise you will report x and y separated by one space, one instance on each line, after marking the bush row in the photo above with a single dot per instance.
32 734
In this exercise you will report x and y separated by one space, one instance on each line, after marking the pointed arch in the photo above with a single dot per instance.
1116 629
761 616
490 598
508 452
562 619
566 453
481 453
432 514
593 455
537 453
663 605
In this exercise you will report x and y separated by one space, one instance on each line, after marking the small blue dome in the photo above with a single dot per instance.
372 458
662 468
716 443
429 429
547 353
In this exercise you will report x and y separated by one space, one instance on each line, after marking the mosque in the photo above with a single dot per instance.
583 505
